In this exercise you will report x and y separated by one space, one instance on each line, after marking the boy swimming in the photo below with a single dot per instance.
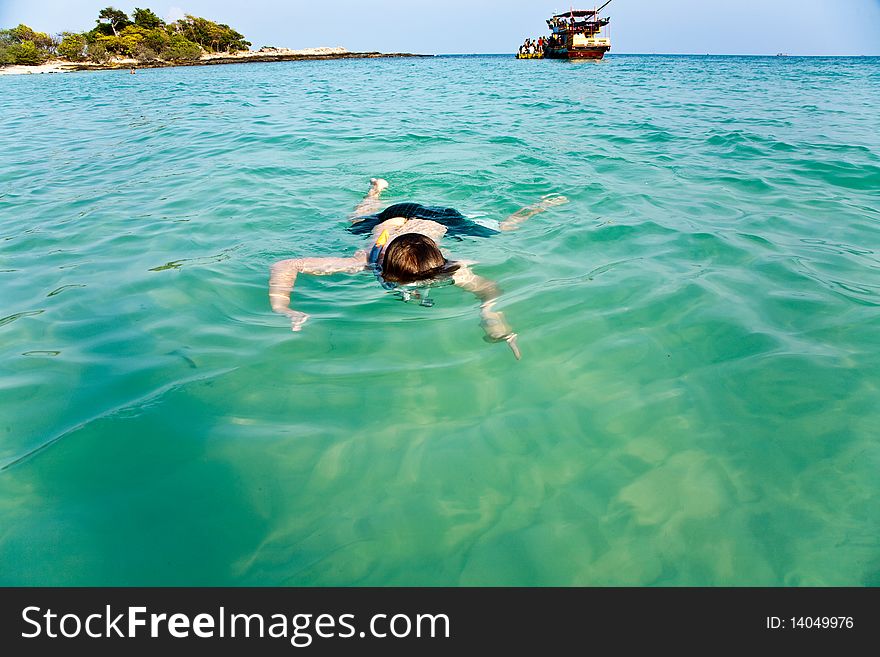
405 257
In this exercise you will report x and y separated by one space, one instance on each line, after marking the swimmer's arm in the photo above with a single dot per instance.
284 273
371 202
492 321
513 221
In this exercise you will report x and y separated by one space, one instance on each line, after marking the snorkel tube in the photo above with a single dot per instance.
376 251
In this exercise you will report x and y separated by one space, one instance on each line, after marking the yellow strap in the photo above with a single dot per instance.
383 238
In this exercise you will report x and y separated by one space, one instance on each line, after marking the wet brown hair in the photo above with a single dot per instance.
413 257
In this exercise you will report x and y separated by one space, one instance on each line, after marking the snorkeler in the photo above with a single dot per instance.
405 257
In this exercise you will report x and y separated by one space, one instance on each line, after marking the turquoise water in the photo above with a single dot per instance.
698 401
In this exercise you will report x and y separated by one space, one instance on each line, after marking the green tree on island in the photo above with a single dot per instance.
22 45
146 19
214 37
72 46
114 18
142 36
41 40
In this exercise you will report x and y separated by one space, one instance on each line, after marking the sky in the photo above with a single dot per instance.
797 27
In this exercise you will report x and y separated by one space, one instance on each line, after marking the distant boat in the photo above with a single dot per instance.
576 34
782 54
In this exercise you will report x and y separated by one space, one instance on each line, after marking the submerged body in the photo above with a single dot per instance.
431 218
403 253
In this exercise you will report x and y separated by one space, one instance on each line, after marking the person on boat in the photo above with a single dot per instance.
404 255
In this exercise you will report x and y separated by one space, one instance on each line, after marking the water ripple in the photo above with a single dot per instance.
697 401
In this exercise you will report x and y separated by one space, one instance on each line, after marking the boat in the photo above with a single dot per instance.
532 49
575 34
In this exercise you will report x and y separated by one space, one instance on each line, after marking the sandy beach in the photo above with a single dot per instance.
52 66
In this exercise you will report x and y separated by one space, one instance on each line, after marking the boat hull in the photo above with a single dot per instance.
597 52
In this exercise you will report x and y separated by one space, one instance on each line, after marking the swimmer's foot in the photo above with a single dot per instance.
552 200
371 202
546 202
377 186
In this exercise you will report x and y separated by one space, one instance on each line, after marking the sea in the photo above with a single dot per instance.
698 400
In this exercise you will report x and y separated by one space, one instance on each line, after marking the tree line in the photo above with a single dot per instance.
142 36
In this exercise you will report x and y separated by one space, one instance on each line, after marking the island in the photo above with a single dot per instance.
143 40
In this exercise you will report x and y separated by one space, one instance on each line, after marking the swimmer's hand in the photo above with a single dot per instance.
511 342
297 319
497 329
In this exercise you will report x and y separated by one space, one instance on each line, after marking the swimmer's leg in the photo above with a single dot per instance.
513 221
371 202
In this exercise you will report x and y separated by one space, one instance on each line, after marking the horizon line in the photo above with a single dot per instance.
664 54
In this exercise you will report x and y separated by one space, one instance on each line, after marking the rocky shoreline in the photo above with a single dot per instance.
264 55
260 58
